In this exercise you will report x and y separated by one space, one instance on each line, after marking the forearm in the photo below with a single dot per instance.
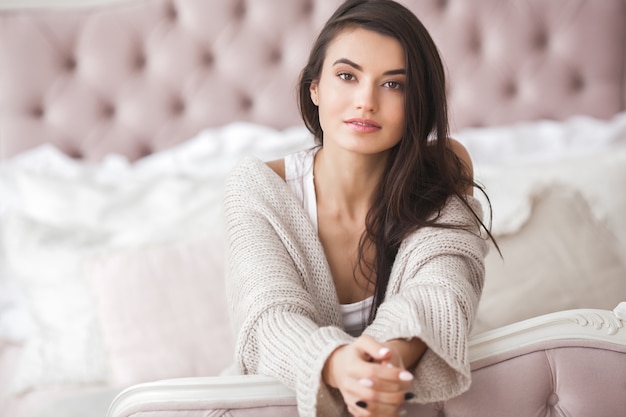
410 351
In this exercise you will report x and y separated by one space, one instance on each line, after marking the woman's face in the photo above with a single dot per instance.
360 92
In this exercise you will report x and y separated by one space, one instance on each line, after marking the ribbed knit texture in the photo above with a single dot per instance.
285 309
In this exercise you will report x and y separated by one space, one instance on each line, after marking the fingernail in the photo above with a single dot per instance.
409 396
402 413
361 404
366 382
383 351
406 376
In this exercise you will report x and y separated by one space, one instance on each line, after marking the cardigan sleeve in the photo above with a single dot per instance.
433 293
279 289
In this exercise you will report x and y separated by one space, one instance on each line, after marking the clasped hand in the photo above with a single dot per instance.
370 377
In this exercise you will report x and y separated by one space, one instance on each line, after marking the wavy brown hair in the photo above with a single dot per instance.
422 172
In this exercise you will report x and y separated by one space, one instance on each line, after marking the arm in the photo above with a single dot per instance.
408 351
432 296
280 293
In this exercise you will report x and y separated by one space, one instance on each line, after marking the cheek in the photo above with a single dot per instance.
331 103
331 96
398 114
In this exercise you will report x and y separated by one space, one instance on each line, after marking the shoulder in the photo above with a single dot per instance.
249 173
464 157
250 167
278 166
252 181
461 152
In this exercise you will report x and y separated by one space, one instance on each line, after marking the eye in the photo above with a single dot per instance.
346 76
395 85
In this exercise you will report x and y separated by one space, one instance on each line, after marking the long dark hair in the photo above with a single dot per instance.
422 172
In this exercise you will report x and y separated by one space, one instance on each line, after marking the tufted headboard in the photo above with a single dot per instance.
139 76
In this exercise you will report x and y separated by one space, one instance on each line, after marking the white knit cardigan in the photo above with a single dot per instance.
285 309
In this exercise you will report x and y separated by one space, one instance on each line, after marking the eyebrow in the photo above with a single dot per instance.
360 68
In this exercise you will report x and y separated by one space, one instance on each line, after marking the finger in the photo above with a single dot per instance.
356 411
377 392
357 407
391 399
378 378
372 348
388 373
384 410
390 387
394 359
364 409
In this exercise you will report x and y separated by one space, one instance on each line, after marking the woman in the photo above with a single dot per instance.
355 268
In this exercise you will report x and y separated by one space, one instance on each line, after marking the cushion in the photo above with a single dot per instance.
163 310
561 258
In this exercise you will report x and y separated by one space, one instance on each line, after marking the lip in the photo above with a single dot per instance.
363 125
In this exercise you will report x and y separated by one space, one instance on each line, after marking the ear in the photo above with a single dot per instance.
313 90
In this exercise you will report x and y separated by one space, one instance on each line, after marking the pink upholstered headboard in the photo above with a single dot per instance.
139 76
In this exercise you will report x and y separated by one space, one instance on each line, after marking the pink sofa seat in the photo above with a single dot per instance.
566 379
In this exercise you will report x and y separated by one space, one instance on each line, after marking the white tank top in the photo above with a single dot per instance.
299 178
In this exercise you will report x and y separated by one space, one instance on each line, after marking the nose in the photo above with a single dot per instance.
366 97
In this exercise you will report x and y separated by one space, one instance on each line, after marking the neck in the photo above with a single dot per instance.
346 182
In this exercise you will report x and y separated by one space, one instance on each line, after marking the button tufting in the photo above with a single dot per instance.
307 7
140 61
178 106
275 56
70 64
38 112
540 40
172 12
510 89
553 399
246 103
239 10
108 110
74 153
207 58
442 4
577 82
474 42
144 149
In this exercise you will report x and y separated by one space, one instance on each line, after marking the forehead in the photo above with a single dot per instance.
366 46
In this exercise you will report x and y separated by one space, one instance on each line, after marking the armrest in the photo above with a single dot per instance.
529 355
569 327
256 394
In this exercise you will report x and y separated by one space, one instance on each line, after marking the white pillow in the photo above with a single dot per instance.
562 229
163 310
561 258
